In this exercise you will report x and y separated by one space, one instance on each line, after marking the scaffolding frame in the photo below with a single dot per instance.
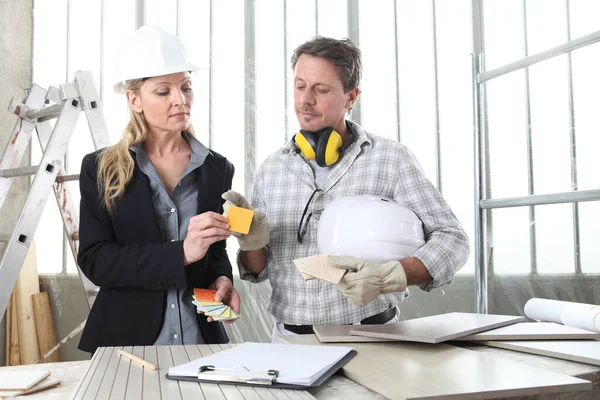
482 194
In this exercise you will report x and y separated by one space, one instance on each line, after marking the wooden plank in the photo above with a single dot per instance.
585 351
136 376
270 394
533 331
169 388
13 350
341 334
210 390
293 394
437 328
27 284
408 370
108 380
8 318
94 386
44 325
151 381
89 374
122 376
306 395
189 390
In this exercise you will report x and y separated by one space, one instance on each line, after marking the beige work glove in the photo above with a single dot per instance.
258 236
370 279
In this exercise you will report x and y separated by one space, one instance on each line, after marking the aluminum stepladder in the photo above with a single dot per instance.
37 110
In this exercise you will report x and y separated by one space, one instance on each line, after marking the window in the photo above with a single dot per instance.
416 88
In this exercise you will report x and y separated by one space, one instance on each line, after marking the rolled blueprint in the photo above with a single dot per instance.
551 310
582 318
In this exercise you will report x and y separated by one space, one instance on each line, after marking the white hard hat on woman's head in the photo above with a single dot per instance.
149 52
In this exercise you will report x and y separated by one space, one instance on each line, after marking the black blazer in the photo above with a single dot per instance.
124 254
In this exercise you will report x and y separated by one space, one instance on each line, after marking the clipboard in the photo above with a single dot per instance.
247 377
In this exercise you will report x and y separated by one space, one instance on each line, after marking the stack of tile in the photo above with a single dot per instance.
204 300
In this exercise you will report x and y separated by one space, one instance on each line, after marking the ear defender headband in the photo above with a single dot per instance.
322 146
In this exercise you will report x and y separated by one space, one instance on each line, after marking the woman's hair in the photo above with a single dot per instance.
115 166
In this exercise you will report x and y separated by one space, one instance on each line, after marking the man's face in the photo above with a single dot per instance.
319 97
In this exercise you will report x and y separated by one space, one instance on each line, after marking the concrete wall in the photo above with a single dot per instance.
16 34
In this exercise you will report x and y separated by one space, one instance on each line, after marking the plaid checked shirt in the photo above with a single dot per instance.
370 165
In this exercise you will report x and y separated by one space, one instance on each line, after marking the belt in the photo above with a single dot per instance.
377 319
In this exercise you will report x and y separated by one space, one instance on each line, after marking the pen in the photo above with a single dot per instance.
137 360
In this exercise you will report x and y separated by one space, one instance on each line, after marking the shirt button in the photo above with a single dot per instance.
173 305
172 240
173 209
176 336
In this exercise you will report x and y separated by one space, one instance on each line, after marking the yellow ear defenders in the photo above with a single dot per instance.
322 146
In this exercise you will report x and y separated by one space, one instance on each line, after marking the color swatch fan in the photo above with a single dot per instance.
204 300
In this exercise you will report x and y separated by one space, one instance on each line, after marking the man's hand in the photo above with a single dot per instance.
370 279
226 294
204 230
258 236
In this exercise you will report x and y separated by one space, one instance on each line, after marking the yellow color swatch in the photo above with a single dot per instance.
239 219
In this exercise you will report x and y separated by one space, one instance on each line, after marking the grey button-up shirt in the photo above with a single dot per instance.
174 212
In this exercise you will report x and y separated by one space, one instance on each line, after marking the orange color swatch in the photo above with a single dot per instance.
204 294
239 219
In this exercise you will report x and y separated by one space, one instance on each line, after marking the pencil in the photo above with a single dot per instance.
137 360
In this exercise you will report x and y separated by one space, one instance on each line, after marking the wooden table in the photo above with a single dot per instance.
70 375
340 387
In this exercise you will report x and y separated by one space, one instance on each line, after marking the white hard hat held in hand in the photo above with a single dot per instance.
149 52
369 227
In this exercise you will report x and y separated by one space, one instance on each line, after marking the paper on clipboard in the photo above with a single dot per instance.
296 365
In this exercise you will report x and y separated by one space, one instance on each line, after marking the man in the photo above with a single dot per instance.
292 189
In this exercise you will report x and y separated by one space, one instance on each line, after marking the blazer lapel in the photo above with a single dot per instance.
138 200
210 184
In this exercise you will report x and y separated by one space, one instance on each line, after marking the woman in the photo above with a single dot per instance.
151 227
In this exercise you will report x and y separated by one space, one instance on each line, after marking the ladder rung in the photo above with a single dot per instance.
67 178
52 111
14 172
41 114
6 237
32 170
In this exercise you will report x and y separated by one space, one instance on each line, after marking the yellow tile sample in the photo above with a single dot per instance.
239 219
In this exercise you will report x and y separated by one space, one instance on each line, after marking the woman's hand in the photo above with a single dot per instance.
226 294
204 230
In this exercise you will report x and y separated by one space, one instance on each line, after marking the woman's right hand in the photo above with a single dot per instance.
204 230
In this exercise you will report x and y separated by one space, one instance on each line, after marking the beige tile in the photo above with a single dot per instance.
585 351
437 328
408 370
533 331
